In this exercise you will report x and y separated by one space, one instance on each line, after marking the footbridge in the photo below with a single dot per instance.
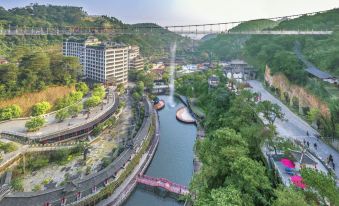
181 30
210 28
163 183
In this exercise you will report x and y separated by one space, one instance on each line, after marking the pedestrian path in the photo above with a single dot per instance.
296 128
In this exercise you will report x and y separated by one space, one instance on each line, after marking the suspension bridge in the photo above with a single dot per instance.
73 31
197 29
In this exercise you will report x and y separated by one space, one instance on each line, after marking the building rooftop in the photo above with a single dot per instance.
237 61
107 45
213 80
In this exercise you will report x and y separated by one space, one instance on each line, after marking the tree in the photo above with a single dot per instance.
313 115
229 196
35 70
325 185
99 91
82 87
121 88
35 124
270 111
75 96
218 151
41 108
75 109
10 112
136 96
92 102
250 177
62 114
289 196
140 87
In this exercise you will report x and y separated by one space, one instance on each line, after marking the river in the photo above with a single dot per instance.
173 159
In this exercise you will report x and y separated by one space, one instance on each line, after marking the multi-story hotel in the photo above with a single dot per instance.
135 61
102 62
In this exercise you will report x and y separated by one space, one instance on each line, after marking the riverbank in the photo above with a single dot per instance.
127 187
172 160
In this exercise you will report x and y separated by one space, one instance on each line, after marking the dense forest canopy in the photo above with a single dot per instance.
278 52
35 71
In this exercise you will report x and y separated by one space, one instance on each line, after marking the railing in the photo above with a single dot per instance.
194 29
70 131
163 183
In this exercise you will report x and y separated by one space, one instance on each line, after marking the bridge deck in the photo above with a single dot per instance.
163 183
182 30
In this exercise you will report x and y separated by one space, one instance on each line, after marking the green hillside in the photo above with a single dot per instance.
36 62
278 51
152 43
321 21
256 25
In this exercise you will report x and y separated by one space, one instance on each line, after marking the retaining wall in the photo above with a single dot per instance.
74 191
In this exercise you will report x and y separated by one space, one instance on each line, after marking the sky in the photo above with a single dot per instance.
181 12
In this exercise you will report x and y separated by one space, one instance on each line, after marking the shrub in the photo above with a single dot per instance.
46 181
35 124
76 96
60 156
88 170
8 147
140 87
82 87
61 115
106 161
136 96
92 101
10 112
75 109
17 184
99 91
68 100
36 187
37 163
41 108
121 88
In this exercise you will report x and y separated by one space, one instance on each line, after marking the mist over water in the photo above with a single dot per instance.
172 69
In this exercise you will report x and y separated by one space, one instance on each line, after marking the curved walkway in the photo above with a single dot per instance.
53 128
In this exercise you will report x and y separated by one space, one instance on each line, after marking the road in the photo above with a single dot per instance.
296 128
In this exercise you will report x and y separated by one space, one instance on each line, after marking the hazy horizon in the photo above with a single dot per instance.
179 12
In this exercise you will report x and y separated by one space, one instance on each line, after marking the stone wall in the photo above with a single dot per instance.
305 99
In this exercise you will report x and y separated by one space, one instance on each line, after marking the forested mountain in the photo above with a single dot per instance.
256 25
52 16
36 61
272 50
34 15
